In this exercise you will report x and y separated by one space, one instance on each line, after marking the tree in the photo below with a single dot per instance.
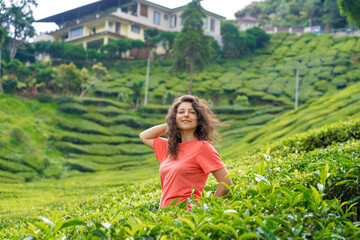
332 18
17 19
254 9
168 39
69 77
123 45
110 50
260 36
231 40
2 40
192 47
152 37
350 9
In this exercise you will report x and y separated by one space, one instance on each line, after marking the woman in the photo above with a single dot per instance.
186 157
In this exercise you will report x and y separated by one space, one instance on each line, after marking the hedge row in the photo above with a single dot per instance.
103 149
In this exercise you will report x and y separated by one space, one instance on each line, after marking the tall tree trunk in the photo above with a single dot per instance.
191 69
1 89
13 49
86 89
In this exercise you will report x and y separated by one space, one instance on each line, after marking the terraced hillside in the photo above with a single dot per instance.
315 113
304 186
100 135
327 64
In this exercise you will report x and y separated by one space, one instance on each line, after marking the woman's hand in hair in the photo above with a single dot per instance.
150 134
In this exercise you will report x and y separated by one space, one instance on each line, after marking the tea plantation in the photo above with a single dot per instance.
74 168
327 64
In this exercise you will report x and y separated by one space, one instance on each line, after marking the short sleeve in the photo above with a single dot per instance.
208 158
160 148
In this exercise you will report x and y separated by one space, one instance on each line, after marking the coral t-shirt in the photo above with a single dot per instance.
195 160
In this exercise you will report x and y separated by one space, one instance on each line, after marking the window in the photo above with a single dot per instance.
205 22
156 18
76 32
173 21
135 28
212 25
143 10
182 20
166 17
110 25
117 27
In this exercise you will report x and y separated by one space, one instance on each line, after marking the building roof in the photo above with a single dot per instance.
100 6
248 19
84 10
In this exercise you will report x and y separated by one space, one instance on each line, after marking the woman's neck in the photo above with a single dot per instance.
187 136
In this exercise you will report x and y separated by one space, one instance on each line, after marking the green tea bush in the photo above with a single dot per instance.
152 108
104 102
319 138
72 108
14 167
339 81
8 177
123 130
107 111
41 97
98 118
18 135
132 121
65 99
261 119
36 162
81 125
82 138
88 166
340 70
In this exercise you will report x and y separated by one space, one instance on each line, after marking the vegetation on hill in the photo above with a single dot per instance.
294 189
281 13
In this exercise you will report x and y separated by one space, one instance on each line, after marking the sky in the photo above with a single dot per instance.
46 8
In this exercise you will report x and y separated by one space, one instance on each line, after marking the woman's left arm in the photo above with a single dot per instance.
220 177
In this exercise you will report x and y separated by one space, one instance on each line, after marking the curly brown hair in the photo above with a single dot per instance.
205 130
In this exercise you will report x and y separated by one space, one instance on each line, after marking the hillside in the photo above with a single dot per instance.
266 77
80 158
288 192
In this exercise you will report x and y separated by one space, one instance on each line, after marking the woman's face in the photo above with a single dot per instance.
186 117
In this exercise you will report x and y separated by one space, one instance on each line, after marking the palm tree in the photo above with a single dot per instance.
2 40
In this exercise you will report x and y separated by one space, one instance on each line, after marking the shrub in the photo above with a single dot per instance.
123 130
19 135
340 70
319 138
14 167
83 126
10 85
44 97
65 99
53 171
7 177
72 107
261 119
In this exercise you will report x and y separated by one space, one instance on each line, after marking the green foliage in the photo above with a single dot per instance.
303 183
350 9
44 97
9 86
192 47
73 108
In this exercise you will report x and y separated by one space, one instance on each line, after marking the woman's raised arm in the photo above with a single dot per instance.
150 134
